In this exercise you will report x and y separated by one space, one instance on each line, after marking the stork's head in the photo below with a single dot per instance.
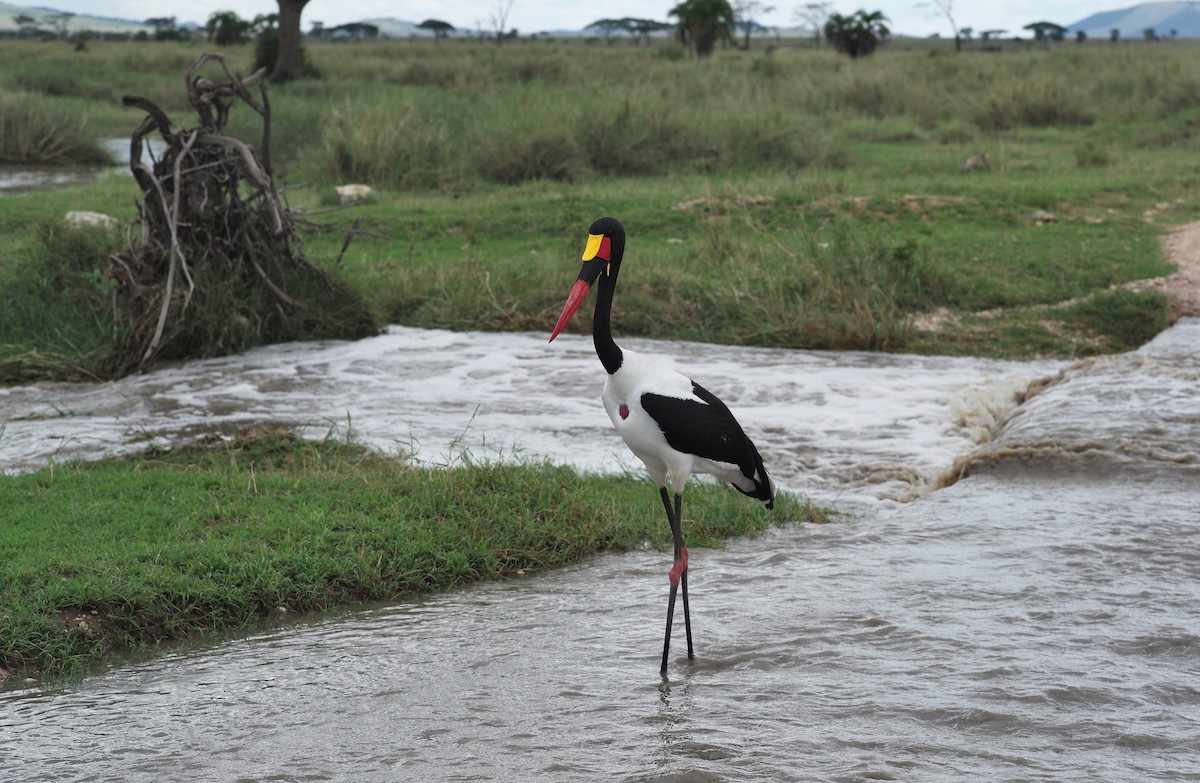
601 257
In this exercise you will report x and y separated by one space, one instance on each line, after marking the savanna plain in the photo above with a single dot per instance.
782 196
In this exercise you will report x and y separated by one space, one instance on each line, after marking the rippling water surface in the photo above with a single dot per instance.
1035 621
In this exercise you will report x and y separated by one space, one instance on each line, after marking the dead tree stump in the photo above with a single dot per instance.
215 265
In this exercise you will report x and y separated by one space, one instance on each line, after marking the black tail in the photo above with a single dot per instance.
764 487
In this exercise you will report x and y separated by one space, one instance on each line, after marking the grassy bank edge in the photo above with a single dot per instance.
104 560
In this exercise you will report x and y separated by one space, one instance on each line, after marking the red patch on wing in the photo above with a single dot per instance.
624 409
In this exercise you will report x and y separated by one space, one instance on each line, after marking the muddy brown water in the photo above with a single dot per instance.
1038 620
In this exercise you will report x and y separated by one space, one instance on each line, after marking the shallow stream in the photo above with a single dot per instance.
1037 620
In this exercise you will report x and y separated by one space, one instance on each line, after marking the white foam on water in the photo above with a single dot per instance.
832 426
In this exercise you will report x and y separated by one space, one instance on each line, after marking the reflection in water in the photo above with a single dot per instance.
1035 621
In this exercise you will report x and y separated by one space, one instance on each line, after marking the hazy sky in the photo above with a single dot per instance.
528 16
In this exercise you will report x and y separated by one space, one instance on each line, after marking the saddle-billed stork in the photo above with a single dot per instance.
673 424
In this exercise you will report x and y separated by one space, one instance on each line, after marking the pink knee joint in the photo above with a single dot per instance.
679 567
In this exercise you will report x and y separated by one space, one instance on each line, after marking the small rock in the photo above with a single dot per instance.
977 162
1042 216
80 218
352 193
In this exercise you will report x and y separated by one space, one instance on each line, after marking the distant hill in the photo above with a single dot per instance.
1181 17
78 22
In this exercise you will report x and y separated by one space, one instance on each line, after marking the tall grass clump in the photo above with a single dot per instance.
36 130
386 144
781 140
1036 100
869 287
58 314
631 140
1123 318
523 133
841 289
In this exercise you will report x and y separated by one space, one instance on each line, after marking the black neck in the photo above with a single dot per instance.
608 351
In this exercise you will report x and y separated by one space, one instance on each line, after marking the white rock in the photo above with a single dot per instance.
352 193
81 218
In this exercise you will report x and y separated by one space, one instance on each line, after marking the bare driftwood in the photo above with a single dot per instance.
216 264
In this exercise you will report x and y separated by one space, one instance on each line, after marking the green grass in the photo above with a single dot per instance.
119 556
489 162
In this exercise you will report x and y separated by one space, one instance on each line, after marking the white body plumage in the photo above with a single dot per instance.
646 433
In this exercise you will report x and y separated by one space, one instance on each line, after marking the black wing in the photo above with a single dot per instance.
708 429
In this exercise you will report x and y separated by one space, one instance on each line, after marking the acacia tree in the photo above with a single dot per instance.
226 28
702 23
858 34
815 14
745 11
947 9
641 29
165 28
60 21
289 64
439 28
498 18
638 29
606 26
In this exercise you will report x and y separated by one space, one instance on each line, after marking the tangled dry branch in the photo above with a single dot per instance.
215 265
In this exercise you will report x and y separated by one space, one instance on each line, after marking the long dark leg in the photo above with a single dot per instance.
666 499
678 576
680 549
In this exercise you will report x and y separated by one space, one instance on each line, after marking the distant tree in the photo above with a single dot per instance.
439 28
744 13
606 26
1149 34
988 35
641 29
815 15
703 23
59 22
1114 34
947 9
264 29
857 35
498 18
290 63
264 24
165 28
225 28
1080 36
1046 31
317 29
27 25
357 30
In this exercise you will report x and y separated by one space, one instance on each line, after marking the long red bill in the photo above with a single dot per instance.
578 294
